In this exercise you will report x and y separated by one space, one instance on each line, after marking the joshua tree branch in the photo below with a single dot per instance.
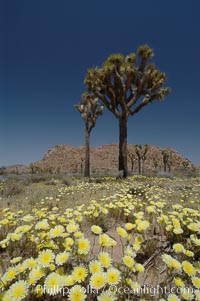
147 99
108 104
143 64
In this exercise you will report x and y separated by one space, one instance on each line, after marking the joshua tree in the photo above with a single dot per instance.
170 161
82 160
125 84
155 163
131 156
144 155
90 109
141 153
166 159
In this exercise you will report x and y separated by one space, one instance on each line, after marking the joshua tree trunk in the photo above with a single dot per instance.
82 165
143 166
87 150
123 146
132 164
165 166
139 166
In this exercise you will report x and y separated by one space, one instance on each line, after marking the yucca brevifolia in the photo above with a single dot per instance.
90 109
170 161
145 148
125 84
82 160
131 155
141 152
166 158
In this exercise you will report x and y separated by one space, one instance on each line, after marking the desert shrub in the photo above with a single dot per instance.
163 174
97 180
13 189
187 173
38 178
66 182
52 182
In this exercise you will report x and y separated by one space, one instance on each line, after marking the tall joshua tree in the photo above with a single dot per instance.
166 158
90 109
141 153
126 84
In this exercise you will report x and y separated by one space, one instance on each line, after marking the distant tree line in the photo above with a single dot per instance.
138 154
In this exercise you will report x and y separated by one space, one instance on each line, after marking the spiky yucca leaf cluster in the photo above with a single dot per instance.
89 108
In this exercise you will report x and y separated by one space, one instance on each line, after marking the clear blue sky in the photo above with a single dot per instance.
46 48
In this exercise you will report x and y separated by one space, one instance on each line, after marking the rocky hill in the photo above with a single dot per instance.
104 160
14 169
